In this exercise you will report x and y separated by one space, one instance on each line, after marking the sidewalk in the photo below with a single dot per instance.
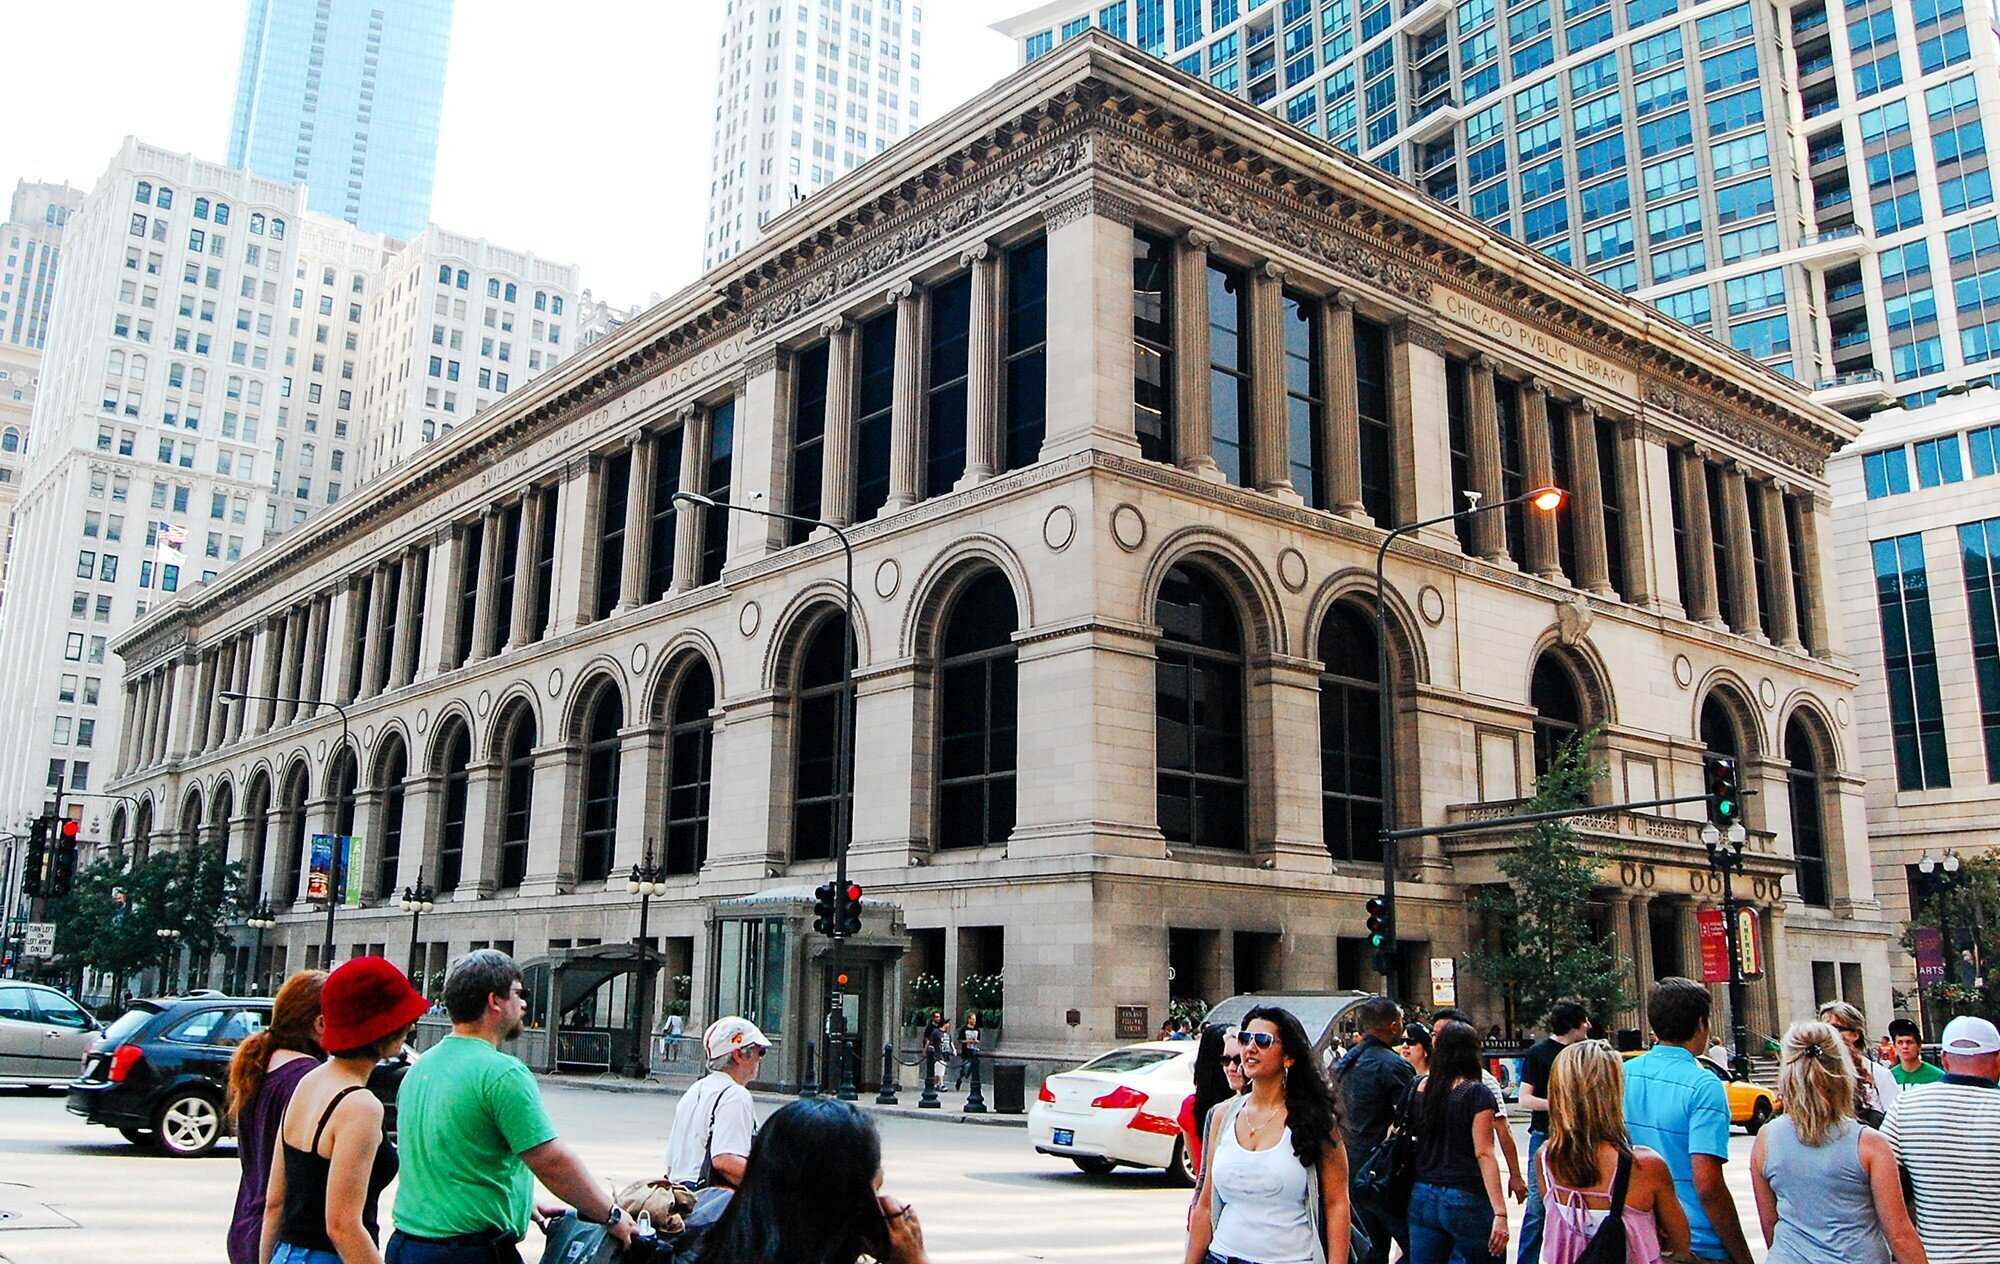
951 1105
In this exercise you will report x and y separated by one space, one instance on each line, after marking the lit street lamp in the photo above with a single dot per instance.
417 901
644 882
1544 500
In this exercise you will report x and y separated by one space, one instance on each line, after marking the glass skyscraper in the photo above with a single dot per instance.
343 96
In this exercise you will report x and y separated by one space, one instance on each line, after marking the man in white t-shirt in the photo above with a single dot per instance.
716 1120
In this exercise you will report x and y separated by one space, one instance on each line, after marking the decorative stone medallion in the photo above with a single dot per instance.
321 753
887 576
747 618
1059 528
555 682
485 702
368 737
1430 604
1128 527
1840 711
1767 690
1292 569
424 720
1683 671
641 655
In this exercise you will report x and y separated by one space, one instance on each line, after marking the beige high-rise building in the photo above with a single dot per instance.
1116 385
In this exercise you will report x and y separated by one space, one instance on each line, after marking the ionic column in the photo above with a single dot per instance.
387 615
149 720
836 488
288 678
126 730
1642 957
1647 479
638 532
347 639
1269 435
579 508
484 617
204 695
1698 533
409 644
267 651
163 684
1742 562
1538 451
239 715
1623 945
1489 530
1778 544
319 620
1340 438
906 413
1816 615
527 542
1194 437
1586 513
441 610
694 477
982 376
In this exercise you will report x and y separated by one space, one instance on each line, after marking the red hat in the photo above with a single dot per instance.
365 999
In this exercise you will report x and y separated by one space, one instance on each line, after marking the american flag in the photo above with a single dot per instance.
173 540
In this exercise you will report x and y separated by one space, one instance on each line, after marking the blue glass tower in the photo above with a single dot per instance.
343 96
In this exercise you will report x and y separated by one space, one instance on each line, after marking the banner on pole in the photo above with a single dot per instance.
1749 944
319 873
1930 954
352 856
1714 945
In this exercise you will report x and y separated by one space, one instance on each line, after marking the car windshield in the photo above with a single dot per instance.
1317 1014
127 1024
1130 1060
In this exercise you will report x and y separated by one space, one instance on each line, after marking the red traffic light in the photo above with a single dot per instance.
70 829
854 893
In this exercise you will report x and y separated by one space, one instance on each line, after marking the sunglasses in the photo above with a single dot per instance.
1261 1039
1232 1059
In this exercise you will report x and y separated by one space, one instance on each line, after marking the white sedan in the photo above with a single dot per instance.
1120 1108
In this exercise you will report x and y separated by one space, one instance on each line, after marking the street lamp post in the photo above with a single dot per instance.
417 901
232 697
1936 877
1545 500
644 882
170 947
1725 856
260 920
843 808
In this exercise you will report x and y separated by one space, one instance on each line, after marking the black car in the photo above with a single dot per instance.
160 1072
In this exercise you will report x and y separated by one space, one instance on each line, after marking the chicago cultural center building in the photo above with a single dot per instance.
1117 385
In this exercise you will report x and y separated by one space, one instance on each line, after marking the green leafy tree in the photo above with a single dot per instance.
111 919
1965 909
1545 948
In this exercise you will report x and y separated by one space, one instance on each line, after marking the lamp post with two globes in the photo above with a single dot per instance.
417 901
645 881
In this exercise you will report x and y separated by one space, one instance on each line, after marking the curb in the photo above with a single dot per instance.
600 1084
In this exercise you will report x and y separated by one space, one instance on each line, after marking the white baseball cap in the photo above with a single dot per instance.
727 1035
1968 1037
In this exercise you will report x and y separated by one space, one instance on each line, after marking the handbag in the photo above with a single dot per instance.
1386 1177
574 1241
1608 1244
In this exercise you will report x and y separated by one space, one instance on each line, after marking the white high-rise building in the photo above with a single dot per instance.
20 372
32 241
804 92
455 323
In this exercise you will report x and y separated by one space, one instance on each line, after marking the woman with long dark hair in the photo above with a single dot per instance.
1274 1180
1218 1076
1457 1205
811 1194
262 1074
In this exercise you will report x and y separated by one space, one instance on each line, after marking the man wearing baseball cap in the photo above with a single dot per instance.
1943 1135
716 1120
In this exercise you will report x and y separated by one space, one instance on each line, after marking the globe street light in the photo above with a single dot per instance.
170 947
417 901
645 881
260 920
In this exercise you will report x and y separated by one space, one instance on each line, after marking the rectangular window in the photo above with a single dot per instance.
1024 383
1979 543
1718 539
1229 373
1937 461
1886 473
1513 466
614 488
1916 711
1458 422
1152 339
1760 558
1305 400
721 459
808 440
875 396
1985 446
945 416
1373 390
472 540
1610 455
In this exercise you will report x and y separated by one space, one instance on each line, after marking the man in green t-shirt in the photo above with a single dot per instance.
1910 1067
473 1135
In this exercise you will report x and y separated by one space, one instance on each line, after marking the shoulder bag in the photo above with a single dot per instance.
1608 1244
1391 1169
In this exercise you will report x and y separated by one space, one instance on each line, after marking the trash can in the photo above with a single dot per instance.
1010 1088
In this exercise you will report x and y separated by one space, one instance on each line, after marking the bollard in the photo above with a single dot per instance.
811 1086
975 1101
929 1100
887 1097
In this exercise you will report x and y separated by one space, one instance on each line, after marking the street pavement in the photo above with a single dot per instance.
75 1194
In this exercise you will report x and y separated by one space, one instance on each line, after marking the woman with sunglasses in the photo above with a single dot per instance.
1218 1076
1875 1086
1416 1047
1274 1184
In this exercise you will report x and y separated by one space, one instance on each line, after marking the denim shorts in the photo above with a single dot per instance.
286 1253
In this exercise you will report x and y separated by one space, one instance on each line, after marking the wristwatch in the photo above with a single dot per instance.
617 1213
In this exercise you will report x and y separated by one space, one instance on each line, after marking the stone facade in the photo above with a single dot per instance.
519 626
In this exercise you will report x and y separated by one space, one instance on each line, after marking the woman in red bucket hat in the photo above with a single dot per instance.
320 1208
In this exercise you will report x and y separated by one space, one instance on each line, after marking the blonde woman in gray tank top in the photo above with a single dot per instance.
1827 1186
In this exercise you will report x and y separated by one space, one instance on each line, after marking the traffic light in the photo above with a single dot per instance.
850 909
1724 792
826 908
1381 936
62 859
38 850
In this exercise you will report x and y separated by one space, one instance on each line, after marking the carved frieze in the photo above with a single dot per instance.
1738 429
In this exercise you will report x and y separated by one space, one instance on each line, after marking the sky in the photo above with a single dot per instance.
577 129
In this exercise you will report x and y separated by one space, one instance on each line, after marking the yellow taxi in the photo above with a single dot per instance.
1750 1104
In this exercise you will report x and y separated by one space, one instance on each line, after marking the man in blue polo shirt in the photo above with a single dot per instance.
1676 1106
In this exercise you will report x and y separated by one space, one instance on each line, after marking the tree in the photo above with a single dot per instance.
1545 949
1963 909
111 919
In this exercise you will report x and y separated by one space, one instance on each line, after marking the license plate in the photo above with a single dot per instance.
1064 1136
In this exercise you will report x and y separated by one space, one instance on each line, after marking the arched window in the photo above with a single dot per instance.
256 846
164 199
690 750
517 797
114 363
390 771
191 821
1807 779
143 191
222 212
1558 701
1198 705
453 756
816 723
602 721
10 440
345 777
1719 733
976 706
257 223
444 274
221 806
291 870
142 833
1350 735
138 367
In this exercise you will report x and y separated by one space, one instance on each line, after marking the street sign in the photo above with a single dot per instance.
1749 950
1444 982
1930 954
41 940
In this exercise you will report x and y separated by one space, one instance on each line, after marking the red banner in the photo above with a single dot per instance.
1930 954
1714 945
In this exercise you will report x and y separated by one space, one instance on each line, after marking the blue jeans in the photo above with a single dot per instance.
1530 1249
1445 1220
286 1253
404 1249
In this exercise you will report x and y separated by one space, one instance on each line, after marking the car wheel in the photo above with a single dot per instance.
1760 1114
137 1136
188 1124
1094 1166
1181 1166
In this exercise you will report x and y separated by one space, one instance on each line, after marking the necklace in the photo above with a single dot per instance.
1256 1129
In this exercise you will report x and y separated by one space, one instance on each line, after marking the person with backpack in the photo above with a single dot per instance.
1604 1200
716 1120
1373 1080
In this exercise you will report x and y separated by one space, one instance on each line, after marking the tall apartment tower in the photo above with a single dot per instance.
32 237
805 91
343 96
1807 183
